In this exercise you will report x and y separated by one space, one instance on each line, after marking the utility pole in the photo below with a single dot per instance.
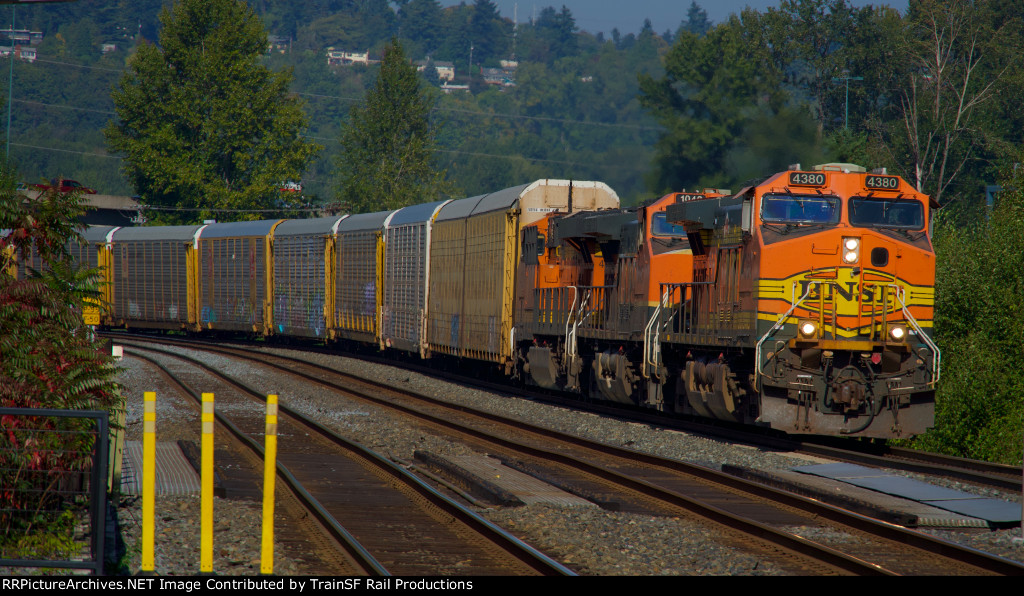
10 89
847 78
515 27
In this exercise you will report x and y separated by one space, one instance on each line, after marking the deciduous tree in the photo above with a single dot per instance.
201 123
714 87
954 66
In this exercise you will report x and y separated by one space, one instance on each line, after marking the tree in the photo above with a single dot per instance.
815 48
201 123
979 325
388 143
713 89
421 21
553 36
48 360
696 20
956 62
488 32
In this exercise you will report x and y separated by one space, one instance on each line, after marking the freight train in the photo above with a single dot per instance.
802 303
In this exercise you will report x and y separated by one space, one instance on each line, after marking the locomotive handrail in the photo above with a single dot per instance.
778 325
651 346
570 319
900 292
937 353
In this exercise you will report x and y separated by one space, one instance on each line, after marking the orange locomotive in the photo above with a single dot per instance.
803 303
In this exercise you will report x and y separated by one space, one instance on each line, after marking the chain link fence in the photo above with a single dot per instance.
53 488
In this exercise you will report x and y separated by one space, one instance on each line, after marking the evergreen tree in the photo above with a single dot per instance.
422 22
388 143
554 36
488 32
202 124
696 20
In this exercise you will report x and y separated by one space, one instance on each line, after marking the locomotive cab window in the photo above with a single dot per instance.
799 209
660 226
665 236
887 213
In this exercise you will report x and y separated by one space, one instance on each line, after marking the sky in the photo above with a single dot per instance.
628 15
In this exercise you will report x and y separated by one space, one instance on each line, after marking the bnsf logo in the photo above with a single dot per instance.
847 295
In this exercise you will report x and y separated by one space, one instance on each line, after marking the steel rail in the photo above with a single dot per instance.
516 548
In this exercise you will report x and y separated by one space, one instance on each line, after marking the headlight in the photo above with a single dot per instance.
851 250
807 328
898 332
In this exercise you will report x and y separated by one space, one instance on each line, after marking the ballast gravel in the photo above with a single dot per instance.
589 540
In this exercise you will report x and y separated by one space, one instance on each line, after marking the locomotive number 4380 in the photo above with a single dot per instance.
882 182
807 179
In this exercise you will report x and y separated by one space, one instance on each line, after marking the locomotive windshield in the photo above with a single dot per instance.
799 209
886 213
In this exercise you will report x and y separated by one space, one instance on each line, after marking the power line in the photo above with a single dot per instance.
441 109
77 65
477 154
500 115
63 107
66 151
348 99
220 210
523 157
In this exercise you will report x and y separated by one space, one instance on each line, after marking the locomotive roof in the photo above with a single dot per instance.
239 229
415 213
593 224
303 227
364 221
184 233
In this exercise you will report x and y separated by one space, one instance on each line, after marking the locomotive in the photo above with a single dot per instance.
802 303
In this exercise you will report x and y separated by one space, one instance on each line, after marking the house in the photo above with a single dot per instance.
21 52
497 76
449 89
445 70
23 36
341 58
278 43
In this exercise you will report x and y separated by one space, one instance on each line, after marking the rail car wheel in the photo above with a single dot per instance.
712 390
614 378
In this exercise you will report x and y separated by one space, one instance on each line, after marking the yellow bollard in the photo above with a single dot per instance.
148 479
206 481
269 467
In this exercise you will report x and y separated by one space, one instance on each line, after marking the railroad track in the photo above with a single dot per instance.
805 534
880 455
379 514
980 473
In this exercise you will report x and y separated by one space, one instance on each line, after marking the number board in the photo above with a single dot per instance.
807 179
882 182
684 197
